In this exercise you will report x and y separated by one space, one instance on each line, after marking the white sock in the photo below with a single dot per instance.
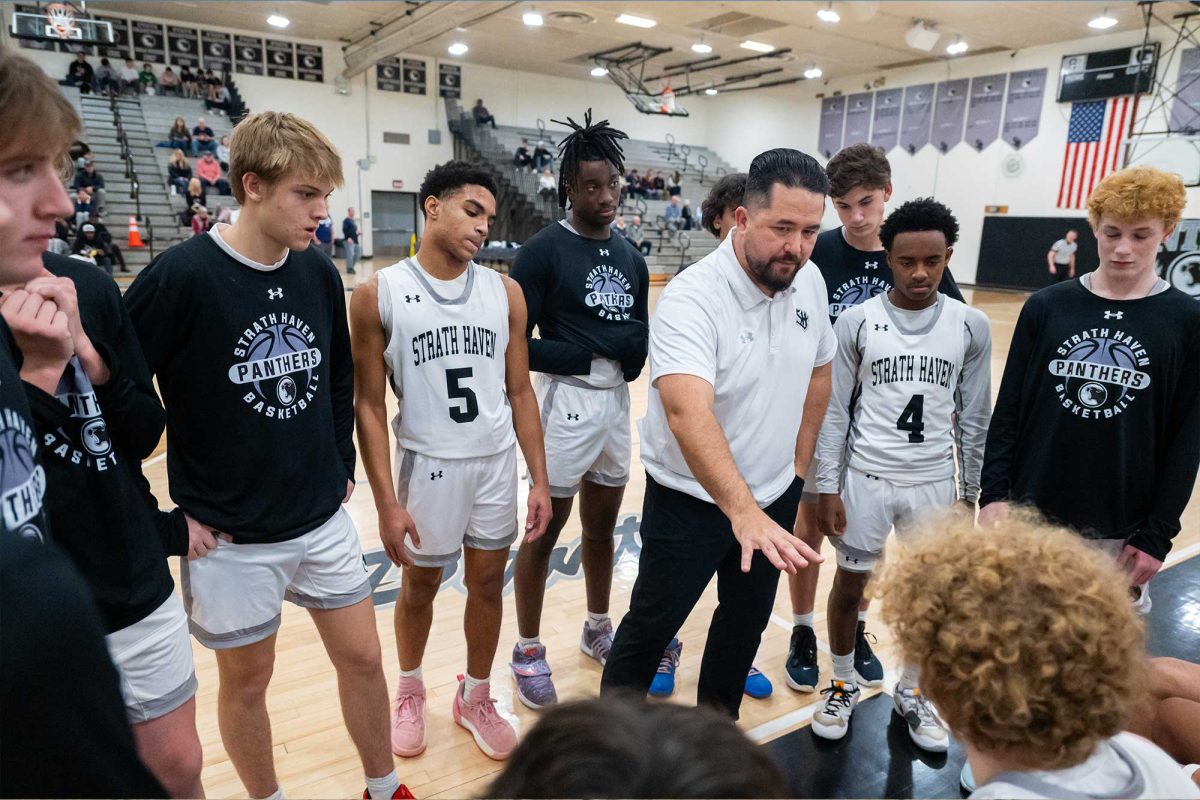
470 683
412 673
595 621
277 794
843 669
522 642
383 788
862 616
910 677
803 619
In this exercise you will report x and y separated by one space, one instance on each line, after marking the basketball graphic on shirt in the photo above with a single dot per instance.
608 292
22 480
855 292
278 366
1101 374
268 346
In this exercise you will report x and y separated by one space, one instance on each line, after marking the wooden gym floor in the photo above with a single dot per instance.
313 753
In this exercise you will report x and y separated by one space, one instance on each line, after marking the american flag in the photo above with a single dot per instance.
1094 140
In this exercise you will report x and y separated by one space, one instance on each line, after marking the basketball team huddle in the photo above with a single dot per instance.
802 385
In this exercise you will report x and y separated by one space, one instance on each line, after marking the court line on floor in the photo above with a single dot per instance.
154 459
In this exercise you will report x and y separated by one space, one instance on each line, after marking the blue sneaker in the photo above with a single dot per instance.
535 688
758 685
663 684
803 675
867 668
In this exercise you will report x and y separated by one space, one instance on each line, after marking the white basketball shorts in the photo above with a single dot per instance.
874 505
153 657
458 502
587 433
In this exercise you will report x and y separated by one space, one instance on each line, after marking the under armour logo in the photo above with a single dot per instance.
802 319
603 252
871 265
573 417
275 294
433 476
747 337
879 327
1114 314
412 298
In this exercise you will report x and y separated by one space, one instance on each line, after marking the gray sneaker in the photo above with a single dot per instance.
596 643
532 674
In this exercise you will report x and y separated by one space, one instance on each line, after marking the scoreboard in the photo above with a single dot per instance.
1108 73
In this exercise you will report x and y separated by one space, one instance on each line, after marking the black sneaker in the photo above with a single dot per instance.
803 675
867 668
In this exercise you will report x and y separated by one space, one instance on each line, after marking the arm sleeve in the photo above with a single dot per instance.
831 442
1177 470
996 477
632 367
171 526
341 376
132 410
545 355
973 404
154 312
683 337
949 286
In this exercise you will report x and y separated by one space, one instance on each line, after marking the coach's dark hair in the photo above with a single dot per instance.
922 214
622 746
587 142
726 194
791 168
858 165
446 179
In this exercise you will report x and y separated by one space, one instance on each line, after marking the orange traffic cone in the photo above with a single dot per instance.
135 238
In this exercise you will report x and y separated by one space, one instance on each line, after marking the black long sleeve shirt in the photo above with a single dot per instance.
1097 423
22 476
256 376
586 297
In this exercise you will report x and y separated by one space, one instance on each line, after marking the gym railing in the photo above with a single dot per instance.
131 175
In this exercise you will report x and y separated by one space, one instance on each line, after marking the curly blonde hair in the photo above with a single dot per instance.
1139 193
1026 638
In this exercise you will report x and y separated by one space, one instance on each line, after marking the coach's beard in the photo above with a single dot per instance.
765 272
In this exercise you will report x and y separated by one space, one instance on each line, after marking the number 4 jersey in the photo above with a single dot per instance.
446 342
907 387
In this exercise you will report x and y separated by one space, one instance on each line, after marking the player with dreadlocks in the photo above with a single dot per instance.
586 289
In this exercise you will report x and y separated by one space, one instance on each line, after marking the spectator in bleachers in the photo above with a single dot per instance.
95 242
202 137
78 150
633 184
542 157
717 210
168 82
636 237
221 99
89 178
211 82
547 185
658 186
190 87
350 244
85 206
673 214
675 183
223 152
179 172
61 243
200 221
108 82
482 115
128 76
208 170
194 196
81 74
689 219
618 226
178 137
648 190
148 80
523 157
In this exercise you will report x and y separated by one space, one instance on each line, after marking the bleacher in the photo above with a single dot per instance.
159 115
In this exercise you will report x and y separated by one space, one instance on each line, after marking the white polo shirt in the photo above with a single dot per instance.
758 353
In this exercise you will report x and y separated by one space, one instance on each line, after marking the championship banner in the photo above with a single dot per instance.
310 63
983 110
248 55
858 118
918 115
885 128
217 50
387 74
149 42
1023 109
833 120
281 59
414 76
949 114
119 48
449 81
184 46
1179 258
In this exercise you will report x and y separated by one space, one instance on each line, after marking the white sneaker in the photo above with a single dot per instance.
924 726
966 778
833 720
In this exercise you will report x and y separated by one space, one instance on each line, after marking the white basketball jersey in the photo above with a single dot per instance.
903 427
445 360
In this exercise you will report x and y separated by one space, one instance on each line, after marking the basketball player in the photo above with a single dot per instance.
586 290
96 419
449 335
911 380
245 328
1097 420
855 267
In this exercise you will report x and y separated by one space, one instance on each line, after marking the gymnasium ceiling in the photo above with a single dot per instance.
870 36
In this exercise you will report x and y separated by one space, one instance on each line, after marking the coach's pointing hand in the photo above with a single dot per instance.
757 531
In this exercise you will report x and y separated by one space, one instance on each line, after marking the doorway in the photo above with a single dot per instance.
393 223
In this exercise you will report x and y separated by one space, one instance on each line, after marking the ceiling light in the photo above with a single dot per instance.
757 47
637 22
813 72
1103 22
701 47
278 21
710 92
599 72
959 46
532 18
458 49
828 14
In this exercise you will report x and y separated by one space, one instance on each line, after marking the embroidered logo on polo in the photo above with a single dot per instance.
854 292
83 439
1100 372
22 479
277 365
802 319
608 292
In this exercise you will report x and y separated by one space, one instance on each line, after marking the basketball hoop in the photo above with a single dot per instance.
60 19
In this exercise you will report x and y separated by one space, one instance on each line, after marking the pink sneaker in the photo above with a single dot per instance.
477 713
408 718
